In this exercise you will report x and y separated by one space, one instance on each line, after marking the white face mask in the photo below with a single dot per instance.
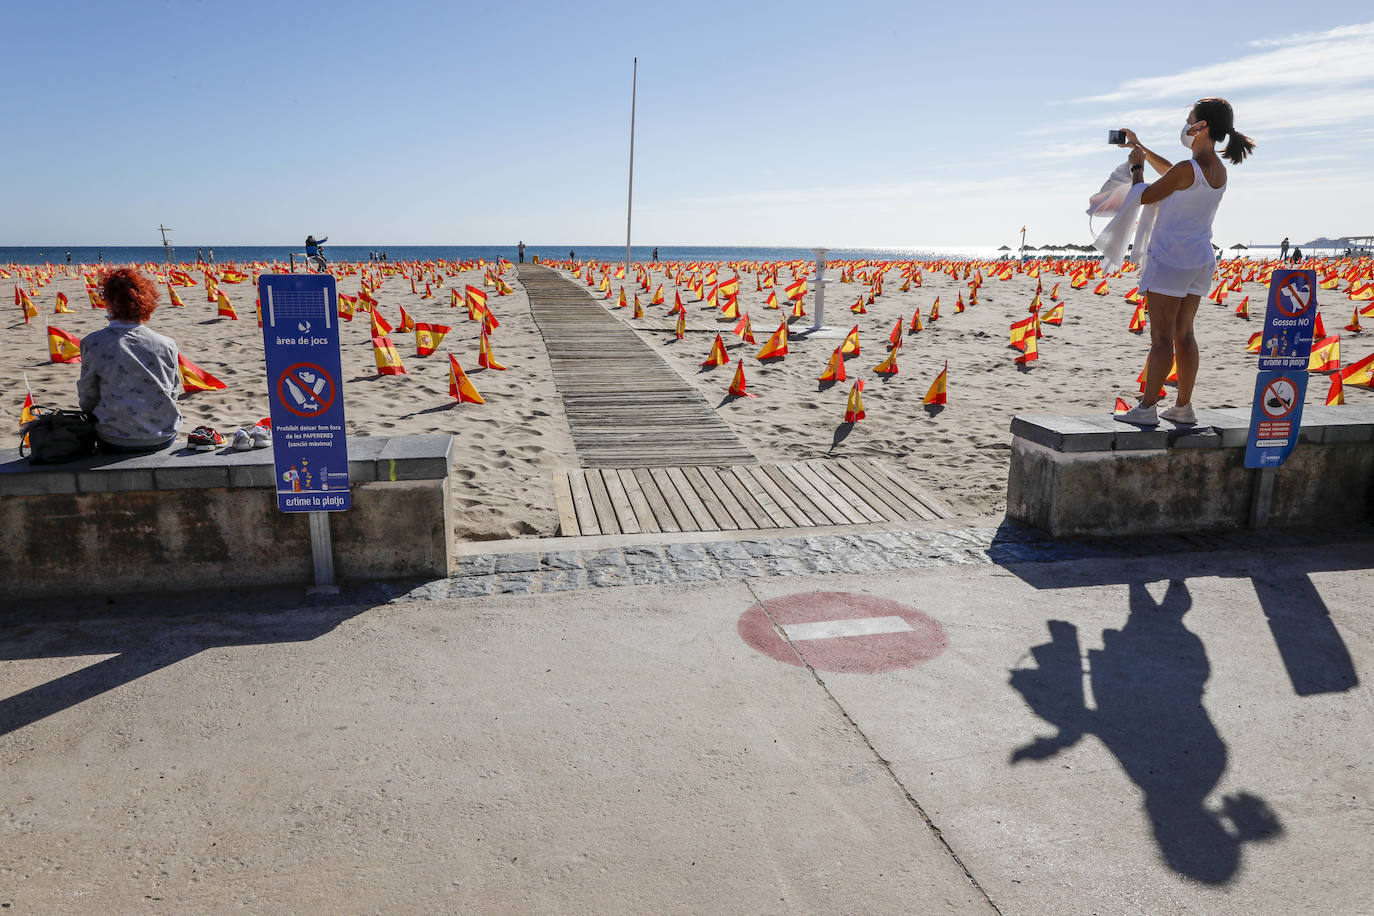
1185 138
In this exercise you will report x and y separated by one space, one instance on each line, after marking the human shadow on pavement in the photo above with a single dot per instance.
1314 654
1147 685
142 642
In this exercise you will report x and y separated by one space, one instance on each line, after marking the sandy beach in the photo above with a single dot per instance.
511 446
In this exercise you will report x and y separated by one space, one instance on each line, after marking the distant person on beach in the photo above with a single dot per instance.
129 376
314 252
1179 261
69 257
655 257
572 255
1297 255
212 255
1283 249
520 250
200 255
100 257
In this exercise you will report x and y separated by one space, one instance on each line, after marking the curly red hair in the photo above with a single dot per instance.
130 295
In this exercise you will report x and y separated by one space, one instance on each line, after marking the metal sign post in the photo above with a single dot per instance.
1281 383
300 331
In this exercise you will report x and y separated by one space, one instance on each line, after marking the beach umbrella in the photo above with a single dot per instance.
1239 247
1004 248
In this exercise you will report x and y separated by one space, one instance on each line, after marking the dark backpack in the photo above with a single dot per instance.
56 435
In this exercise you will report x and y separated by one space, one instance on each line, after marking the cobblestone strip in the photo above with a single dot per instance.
711 561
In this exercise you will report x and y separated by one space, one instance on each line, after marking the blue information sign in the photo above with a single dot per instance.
300 333
1281 385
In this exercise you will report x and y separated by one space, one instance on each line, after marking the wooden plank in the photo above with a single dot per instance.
881 483
795 516
620 502
929 500
700 514
601 501
839 500
815 516
644 514
567 515
765 500
724 521
582 502
746 498
832 514
843 490
730 499
889 506
668 488
663 515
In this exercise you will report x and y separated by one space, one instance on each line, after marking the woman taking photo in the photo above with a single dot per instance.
129 377
1179 260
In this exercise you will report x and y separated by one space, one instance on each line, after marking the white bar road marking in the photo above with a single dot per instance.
858 626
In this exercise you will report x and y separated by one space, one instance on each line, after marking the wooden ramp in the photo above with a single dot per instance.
806 494
626 407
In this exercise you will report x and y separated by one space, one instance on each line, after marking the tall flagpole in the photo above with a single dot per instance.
629 203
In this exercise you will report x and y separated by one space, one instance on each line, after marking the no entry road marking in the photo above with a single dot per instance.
842 631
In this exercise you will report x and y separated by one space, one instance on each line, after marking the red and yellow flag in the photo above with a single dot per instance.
1030 352
459 387
428 337
936 393
1326 355
851 342
1055 315
194 378
1335 395
407 323
744 330
681 329
94 295
717 356
738 385
62 301
63 347
388 360
834 369
476 300
776 345
772 301
380 326
1101 289
854 407
889 365
226 308
485 358
1360 374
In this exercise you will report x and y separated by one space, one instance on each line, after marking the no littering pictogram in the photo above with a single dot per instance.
306 390
842 632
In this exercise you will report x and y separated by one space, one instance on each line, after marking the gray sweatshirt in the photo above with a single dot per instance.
130 382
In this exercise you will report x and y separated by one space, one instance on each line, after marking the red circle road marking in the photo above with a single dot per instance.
843 631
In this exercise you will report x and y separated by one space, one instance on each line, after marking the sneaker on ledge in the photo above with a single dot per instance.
1140 415
1180 413
204 439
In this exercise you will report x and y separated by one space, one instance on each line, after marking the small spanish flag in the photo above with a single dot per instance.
194 378
1055 315
1335 395
407 323
854 407
63 347
889 365
936 393
476 298
380 326
485 358
61 307
717 356
776 345
681 328
428 337
171 294
834 369
744 330
850 345
1360 374
459 387
772 301
737 384
388 360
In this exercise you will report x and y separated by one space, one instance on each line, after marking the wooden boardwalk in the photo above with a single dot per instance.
804 494
626 407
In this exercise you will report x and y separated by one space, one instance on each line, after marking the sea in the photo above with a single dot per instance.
121 254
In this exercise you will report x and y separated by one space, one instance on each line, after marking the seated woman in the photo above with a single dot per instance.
129 376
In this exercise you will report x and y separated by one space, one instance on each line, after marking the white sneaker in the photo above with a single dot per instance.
1140 415
242 442
1180 413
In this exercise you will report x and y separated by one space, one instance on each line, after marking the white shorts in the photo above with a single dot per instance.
1176 281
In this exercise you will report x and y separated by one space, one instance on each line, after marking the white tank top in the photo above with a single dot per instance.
1182 235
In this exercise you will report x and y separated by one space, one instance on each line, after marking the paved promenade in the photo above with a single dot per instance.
965 719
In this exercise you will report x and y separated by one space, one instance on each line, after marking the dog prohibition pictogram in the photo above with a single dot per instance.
1294 296
842 632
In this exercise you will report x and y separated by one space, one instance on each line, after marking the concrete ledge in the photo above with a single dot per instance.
1074 476
186 520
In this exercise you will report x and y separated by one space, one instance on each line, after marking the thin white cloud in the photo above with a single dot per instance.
1303 38
1337 57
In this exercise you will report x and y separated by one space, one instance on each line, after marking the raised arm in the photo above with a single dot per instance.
1157 162
1177 178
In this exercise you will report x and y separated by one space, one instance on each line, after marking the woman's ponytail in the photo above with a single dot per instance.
1221 122
1238 147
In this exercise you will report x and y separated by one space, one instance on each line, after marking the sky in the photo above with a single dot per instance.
885 124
